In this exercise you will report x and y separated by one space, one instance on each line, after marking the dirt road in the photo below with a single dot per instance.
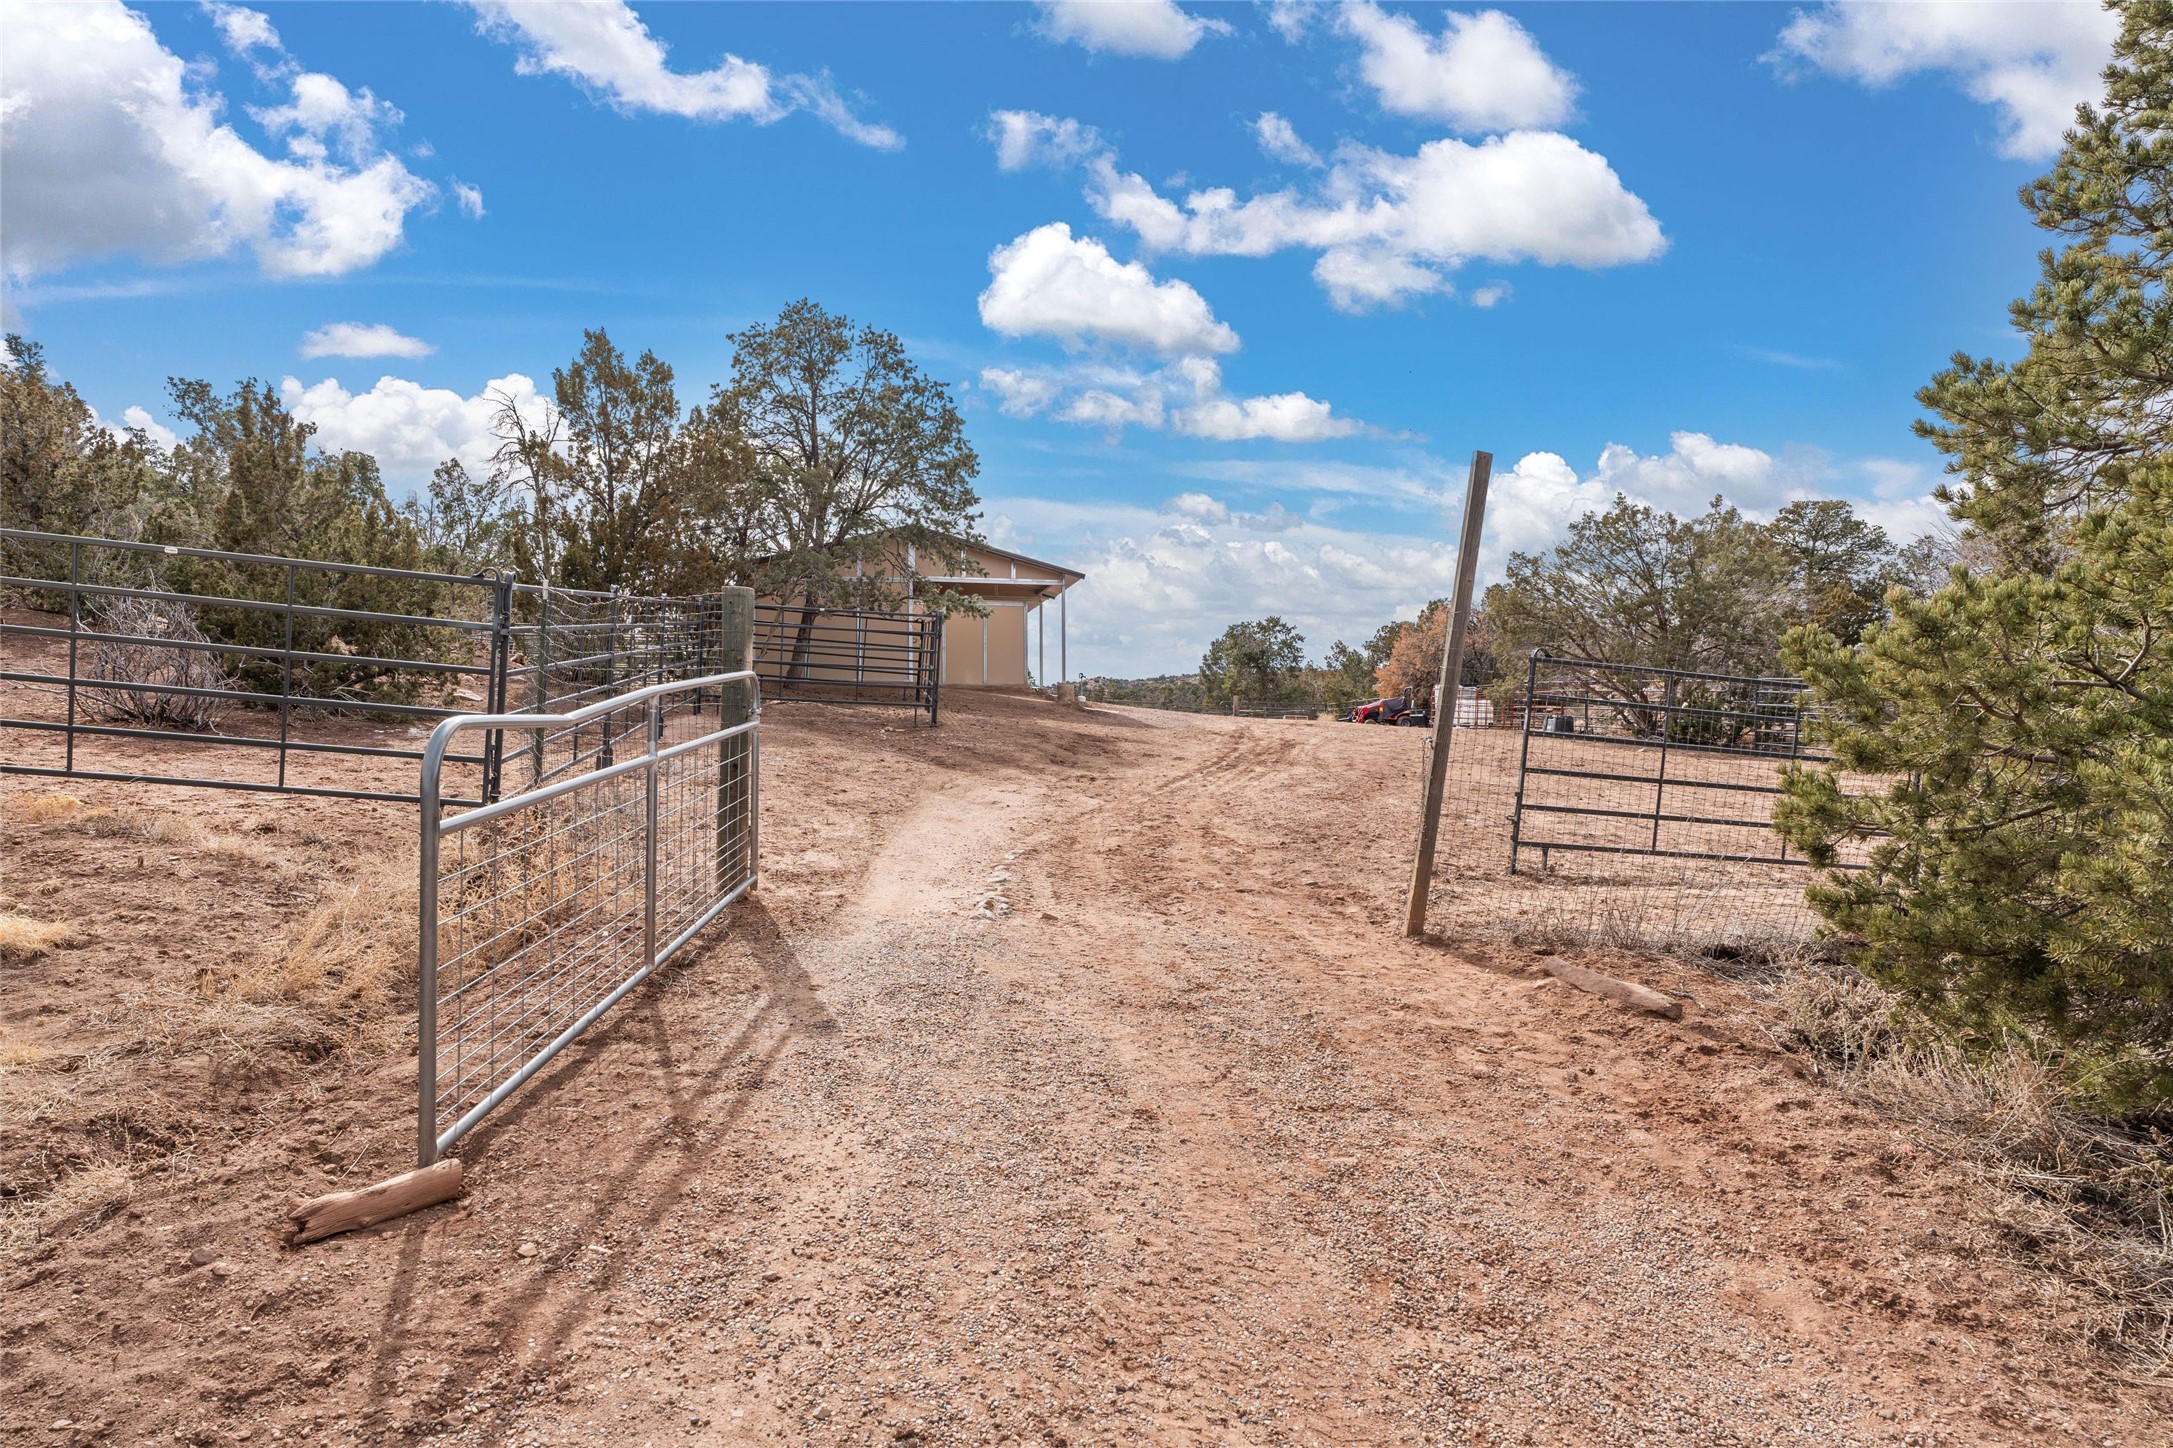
1069 1083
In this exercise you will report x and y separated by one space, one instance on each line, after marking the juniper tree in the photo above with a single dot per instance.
2023 872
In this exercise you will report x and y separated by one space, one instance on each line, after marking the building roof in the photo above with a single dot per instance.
1054 570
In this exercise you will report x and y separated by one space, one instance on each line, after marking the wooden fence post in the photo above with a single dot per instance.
1447 694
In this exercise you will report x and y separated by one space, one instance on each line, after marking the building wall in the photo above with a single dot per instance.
996 652
986 652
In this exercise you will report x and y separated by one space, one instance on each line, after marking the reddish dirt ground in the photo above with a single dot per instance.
1066 1081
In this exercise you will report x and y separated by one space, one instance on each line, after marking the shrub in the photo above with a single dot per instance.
151 665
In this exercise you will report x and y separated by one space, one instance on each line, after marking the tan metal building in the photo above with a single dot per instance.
999 650
1005 649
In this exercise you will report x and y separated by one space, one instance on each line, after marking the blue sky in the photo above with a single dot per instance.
1229 293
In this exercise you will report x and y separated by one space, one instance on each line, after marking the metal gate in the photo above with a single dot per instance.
1622 759
542 910
214 657
850 656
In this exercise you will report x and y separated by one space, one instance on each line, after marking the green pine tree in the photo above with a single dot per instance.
2022 874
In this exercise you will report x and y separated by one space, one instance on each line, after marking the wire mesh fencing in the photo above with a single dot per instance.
1608 805
542 910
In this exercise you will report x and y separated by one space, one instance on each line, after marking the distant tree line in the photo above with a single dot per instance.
1632 585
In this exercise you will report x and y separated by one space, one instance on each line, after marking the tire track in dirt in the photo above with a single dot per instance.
1180 1164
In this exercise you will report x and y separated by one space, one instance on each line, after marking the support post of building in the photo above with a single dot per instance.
1446 693
1063 640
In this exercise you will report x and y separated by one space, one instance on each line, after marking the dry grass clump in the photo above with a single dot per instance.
355 952
17 1054
25 939
40 809
1715 922
2090 1199
107 823
80 1200
340 983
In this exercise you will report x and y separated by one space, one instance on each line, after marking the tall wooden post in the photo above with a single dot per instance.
1448 693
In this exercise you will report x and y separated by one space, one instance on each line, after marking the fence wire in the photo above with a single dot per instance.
143 663
1591 804
542 910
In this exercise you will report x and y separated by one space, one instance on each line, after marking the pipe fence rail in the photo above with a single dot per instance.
850 657
1621 759
217 657
156 664
540 911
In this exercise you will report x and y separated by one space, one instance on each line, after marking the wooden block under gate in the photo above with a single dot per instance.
338 1212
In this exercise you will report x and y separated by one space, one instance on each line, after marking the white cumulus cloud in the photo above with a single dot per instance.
1161 582
1152 29
2032 62
1483 73
1280 141
470 199
1049 283
1388 227
1532 505
1283 417
244 29
110 146
353 339
1184 397
604 46
407 427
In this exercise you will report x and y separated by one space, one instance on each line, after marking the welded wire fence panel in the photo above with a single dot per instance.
542 910
849 656
572 648
141 662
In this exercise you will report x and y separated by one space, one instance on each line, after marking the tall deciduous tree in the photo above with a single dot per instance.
1636 585
850 454
1413 665
2019 873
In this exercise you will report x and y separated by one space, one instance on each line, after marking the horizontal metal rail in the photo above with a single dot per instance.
568 895
215 555
150 643
850 656
1709 719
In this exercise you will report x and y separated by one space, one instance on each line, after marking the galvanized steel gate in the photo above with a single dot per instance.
542 910
1623 759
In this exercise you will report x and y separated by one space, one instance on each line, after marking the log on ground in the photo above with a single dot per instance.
1628 993
337 1212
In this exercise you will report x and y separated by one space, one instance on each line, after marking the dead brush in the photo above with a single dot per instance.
149 672
2086 1198
41 809
342 983
81 1199
1709 924
517 880
24 939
